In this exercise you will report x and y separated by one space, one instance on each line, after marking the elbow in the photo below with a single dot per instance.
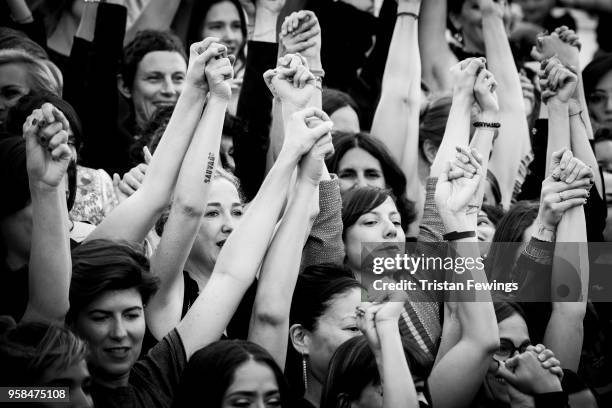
269 317
187 208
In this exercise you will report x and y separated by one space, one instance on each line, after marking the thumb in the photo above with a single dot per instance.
322 129
116 180
505 373
537 55
147 155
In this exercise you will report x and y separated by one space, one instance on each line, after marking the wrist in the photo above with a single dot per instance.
544 231
218 99
39 188
192 94
557 105
412 7
265 25
456 222
488 116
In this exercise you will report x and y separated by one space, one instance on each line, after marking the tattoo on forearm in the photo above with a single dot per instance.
208 173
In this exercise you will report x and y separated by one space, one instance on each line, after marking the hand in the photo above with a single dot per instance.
311 165
132 180
565 167
526 373
47 152
272 6
456 190
528 93
548 360
492 8
484 90
301 33
562 43
199 55
291 81
463 75
219 72
557 81
366 314
299 138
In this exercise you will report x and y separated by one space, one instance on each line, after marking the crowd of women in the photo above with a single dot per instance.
190 185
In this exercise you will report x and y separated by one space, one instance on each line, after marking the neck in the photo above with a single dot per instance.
198 270
109 381
314 391
63 36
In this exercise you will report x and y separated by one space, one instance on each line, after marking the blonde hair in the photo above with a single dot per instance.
43 76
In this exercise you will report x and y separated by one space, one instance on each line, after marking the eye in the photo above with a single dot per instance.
241 403
236 25
373 174
273 402
132 316
346 174
237 213
212 213
215 26
178 77
352 329
98 317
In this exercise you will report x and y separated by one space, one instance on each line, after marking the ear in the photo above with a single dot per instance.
300 339
429 151
124 90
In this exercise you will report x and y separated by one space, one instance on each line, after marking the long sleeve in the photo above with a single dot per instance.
254 109
324 244
91 87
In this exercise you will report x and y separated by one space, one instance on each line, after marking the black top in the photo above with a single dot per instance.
153 379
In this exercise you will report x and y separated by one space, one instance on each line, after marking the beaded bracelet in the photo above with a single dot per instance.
493 125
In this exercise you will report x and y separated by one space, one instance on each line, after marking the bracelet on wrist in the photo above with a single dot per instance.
455 235
409 14
491 125
318 73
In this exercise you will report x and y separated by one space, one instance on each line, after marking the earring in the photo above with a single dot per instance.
458 37
305 372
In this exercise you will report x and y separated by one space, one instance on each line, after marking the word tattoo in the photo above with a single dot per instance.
208 173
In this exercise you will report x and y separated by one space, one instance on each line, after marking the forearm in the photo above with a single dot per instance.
20 12
580 146
398 387
50 264
457 133
558 130
432 45
134 217
396 113
270 319
156 15
265 24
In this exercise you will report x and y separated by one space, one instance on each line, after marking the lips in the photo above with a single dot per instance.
161 104
119 353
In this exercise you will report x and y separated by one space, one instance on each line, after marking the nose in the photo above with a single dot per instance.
228 34
228 224
118 330
361 181
168 88
609 103
389 232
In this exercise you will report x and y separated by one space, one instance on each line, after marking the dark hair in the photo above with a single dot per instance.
28 349
495 189
10 38
198 16
432 121
102 265
151 134
394 176
51 10
509 231
334 99
593 72
353 366
211 370
316 288
147 41
494 213
455 6
359 201
351 369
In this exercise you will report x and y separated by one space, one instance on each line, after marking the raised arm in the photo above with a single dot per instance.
48 156
513 143
190 196
470 315
564 332
135 216
156 15
270 318
396 121
457 131
242 254
436 56
379 323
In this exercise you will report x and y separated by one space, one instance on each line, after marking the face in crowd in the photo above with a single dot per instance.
600 101
223 21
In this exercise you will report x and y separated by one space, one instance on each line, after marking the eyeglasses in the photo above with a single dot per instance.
507 349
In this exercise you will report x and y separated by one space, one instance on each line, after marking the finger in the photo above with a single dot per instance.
311 111
556 370
116 180
585 173
321 129
504 371
61 153
47 110
565 205
545 355
58 139
126 189
131 181
147 155
536 55
60 117
444 175
565 159
296 78
306 25
200 47
50 130
475 65
573 176
551 362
